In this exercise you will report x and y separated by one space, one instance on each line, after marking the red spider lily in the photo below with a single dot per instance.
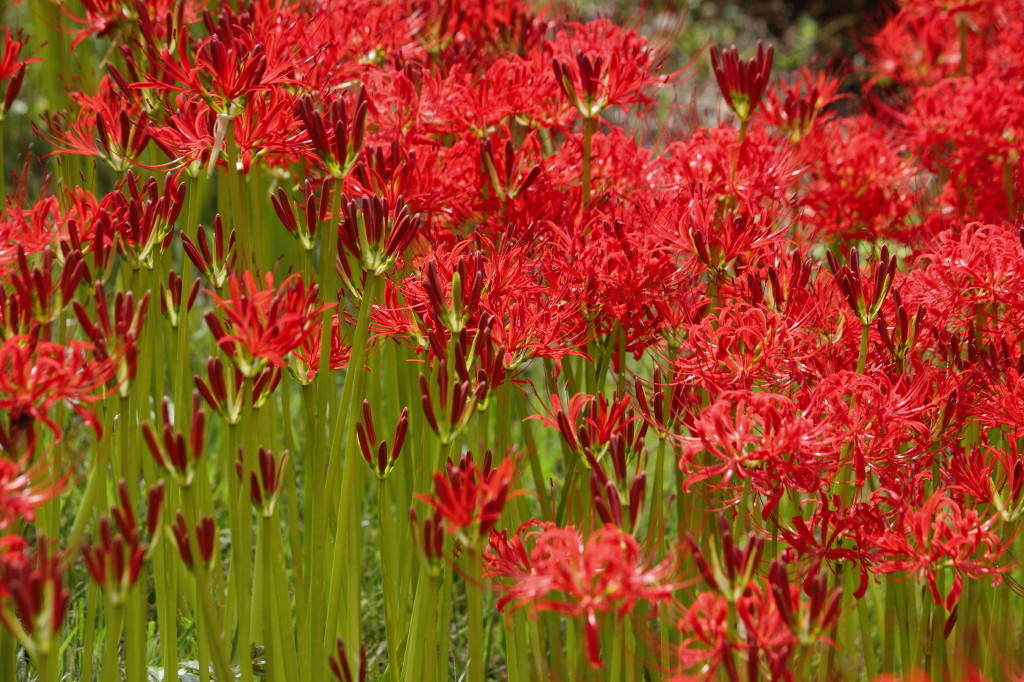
215 264
742 83
41 290
307 355
104 18
142 217
317 203
456 402
429 539
821 540
204 535
12 68
375 233
730 571
591 421
375 452
115 560
807 619
108 126
227 396
860 184
226 69
470 499
172 305
24 486
336 137
562 573
706 637
797 108
172 452
265 129
599 64
34 598
266 481
115 333
264 325
35 375
941 535
760 438
864 294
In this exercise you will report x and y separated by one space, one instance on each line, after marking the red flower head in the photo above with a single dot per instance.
742 83
12 69
564 574
35 600
471 499
264 325
36 375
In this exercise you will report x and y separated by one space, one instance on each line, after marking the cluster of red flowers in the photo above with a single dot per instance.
805 321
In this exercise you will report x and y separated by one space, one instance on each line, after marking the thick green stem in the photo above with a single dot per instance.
475 616
204 594
346 567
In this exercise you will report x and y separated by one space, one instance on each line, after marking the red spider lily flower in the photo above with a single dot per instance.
798 107
336 137
204 534
43 291
226 69
115 560
599 64
105 18
262 325
109 126
35 375
706 637
375 233
24 486
115 333
864 294
307 355
941 534
12 68
217 263
819 539
562 573
429 539
742 83
35 600
375 452
456 400
317 195
227 395
756 438
807 619
266 481
265 129
172 452
172 305
142 217
730 571
590 422
470 499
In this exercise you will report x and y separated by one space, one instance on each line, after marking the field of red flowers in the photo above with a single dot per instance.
419 340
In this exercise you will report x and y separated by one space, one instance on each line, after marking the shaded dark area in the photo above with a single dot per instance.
841 22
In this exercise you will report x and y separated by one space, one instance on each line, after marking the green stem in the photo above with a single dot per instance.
111 669
346 566
204 594
475 616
